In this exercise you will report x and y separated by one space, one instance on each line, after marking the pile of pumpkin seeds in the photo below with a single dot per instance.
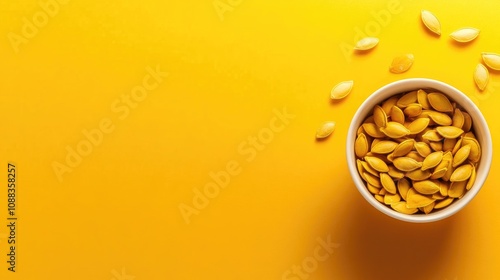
417 152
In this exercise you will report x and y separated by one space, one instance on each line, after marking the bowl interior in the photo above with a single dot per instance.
480 129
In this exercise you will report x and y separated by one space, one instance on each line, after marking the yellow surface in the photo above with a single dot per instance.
248 84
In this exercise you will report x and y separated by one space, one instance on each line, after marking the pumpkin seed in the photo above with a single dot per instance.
325 130
415 199
431 22
384 147
458 118
443 188
472 179
361 145
403 208
406 164
432 135
392 198
382 191
436 146
440 102
440 118
457 146
401 63
426 187
467 122
379 116
481 76
422 149
377 164
461 155
443 203
491 60
449 158
395 130
366 43
449 144
418 125
397 115
372 130
370 179
387 183
462 173
395 173
379 198
403 148
475 149
465 35
457 189
449 131
438 196
341 90
440 170
422 99
413 110
389 103
419 175
403 187
414 155
407 99
372 189
369 169
427 209
432 160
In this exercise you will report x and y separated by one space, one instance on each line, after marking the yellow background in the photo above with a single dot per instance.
117 216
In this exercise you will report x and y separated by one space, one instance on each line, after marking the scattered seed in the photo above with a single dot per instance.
492 60
465 35
481 76
341 90
402 63
325 130
431 22
366 43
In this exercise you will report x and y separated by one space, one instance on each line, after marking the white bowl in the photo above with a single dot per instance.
480 128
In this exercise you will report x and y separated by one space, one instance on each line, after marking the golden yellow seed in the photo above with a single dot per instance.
413 110
465 35
392 198
397 115
406 164
325 130
461 173
443 188
457 146
449 131
360 130
422 149
370 179
461 155
418 175
372 189
481 76
458 118
384 147
395 130
403 148
449 158
427 209
382 191
407 99
470 134
389 103
438 196
361 145
432 135
426 187
440 102
491 60
431 22
439 118
457 189
377 164
366 43
415 199
432 160
369 169
444 203
372 130
416 156
449 144
475 149
387 183
422 99
403 187
401 63
379 116
369 119
395 173
401 207
379 198
436 146
467 122
472 180
341 90
440 170
418 125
